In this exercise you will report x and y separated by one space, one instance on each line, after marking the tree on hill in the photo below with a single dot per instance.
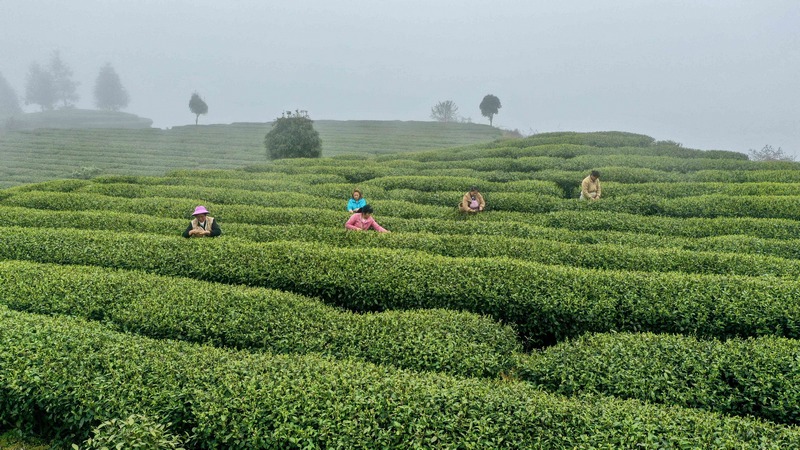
64 86
197 106
445 111
768 153
109 94
489 106
40 88
9 102
293 136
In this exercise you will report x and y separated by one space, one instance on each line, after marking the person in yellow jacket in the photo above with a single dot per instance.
590 186
472 201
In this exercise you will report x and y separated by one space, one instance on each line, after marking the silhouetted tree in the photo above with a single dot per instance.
63 84
197 106
768 153
39 88
445 111
293 136
489 106
109 94
9 102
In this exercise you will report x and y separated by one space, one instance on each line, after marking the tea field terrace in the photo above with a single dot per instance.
664 315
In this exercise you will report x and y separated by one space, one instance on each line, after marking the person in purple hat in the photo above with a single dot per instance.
202 225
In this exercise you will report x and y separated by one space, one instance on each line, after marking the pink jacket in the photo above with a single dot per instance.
356 222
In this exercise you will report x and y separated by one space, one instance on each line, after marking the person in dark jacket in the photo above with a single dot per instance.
202 225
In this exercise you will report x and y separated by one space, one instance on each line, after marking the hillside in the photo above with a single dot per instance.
664 315
44 154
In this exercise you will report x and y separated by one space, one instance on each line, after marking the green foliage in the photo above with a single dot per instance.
293 136
197 106
67 376
135 431
124 144
753 377
545 303
698 248
430 340
109 94
489 106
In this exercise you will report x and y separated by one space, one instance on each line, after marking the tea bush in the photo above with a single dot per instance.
66 376
752 377
175 308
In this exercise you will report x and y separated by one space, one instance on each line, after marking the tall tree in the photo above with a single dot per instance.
109 94
445 111
489 107
197 106
9 102
39 88
65 87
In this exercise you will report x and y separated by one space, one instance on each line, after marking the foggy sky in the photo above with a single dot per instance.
709 74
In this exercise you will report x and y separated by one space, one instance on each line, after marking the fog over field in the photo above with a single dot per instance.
710 74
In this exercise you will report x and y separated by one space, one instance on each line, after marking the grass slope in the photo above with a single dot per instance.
43 154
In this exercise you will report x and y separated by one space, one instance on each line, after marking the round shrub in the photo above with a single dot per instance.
293 136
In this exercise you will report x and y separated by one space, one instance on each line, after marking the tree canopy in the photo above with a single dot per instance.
490 105
445 111
197 106
293 136
65 87
39 87
9 102
109 94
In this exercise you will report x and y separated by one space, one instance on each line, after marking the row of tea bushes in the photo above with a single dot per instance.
709 206
769 237
176 308
696 188
326 196
600 221
65 376
751 377
284 209
519 205
628 252
764 172
546 303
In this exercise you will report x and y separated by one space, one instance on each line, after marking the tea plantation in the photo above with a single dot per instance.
664 315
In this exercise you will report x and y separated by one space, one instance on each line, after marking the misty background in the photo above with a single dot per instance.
708 74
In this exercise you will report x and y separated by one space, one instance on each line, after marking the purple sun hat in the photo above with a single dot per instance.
200 210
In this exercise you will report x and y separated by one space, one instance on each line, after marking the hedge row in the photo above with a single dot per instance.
329 196
546 303
177 308
696 188
735 255
710 206
518 206
65 376
601 221
753 377
770 237
284 209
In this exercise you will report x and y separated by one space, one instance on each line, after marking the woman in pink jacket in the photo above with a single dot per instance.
363 221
